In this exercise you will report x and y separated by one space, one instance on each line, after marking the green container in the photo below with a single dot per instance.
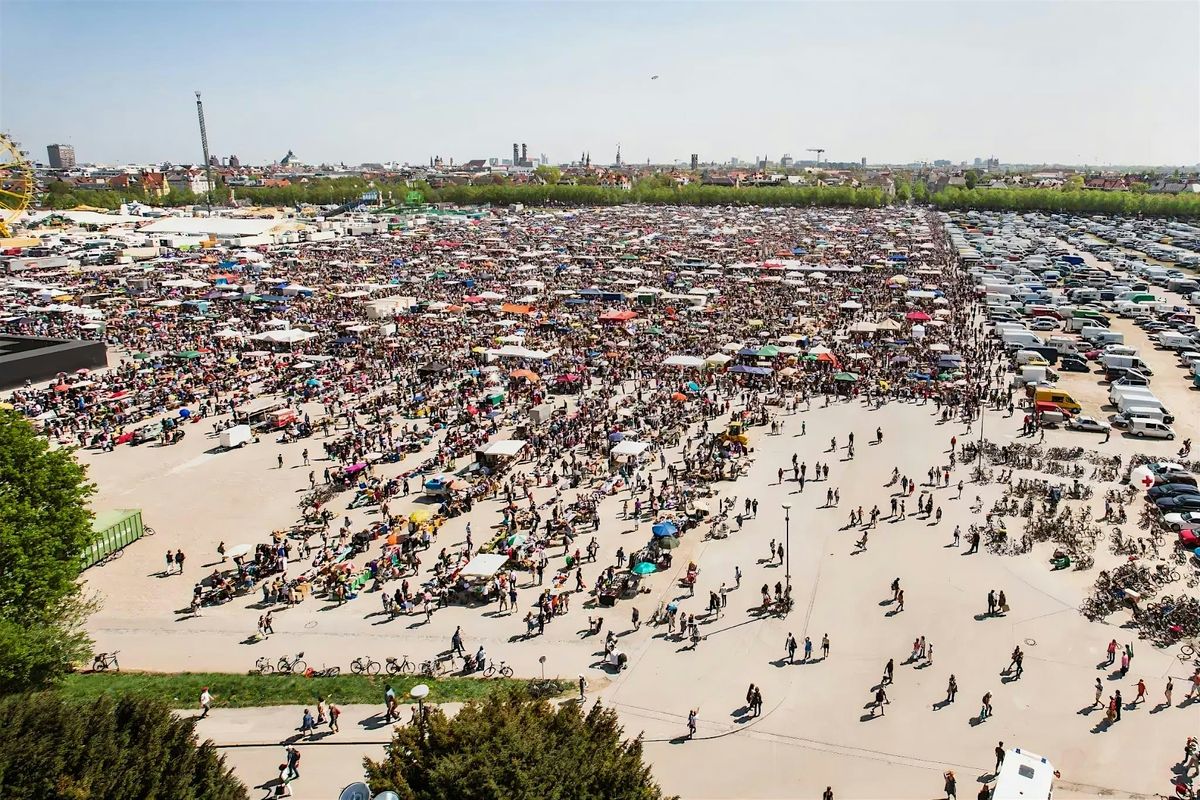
113 530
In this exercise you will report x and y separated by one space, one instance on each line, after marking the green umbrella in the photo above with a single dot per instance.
768 351
667 542
809 357
944 376
848 377
187 354
645 568
141 356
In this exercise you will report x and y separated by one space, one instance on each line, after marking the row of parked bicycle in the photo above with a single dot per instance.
369 666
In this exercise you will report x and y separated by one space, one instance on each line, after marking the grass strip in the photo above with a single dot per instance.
247 690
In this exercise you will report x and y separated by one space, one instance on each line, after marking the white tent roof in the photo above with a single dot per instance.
683 361
485 565
629 447
505 447
289 336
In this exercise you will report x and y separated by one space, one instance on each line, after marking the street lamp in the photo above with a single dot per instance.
419 693
787 543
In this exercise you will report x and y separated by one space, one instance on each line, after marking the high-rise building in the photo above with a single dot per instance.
516 154
62 156
786 161
234 161
695 160
524 154
864 161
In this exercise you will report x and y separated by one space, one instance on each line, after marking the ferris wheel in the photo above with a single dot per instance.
16 184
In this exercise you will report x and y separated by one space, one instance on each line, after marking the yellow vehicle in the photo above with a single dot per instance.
1057 397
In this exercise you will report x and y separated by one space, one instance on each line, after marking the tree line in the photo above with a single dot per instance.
1070 202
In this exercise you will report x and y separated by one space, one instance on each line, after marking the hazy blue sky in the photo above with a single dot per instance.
1078 82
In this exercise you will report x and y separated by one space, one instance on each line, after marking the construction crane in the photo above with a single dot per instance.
818 151
204 145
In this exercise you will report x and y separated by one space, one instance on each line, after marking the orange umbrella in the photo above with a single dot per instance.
679 397
532 377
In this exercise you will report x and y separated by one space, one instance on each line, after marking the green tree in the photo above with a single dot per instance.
45 525
971 176
1073 184
508 746
51 749
549 174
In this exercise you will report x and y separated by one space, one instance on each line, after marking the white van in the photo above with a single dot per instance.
1152 413
1103 337
1149 429
1015 340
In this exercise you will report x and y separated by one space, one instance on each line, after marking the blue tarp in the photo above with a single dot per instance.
743 369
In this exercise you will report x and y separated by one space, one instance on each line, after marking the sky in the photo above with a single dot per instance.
348 81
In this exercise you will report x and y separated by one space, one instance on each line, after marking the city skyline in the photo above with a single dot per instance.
892 82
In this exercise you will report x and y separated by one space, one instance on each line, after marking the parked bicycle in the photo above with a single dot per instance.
103 661
492 669
286 666
364 666
401 667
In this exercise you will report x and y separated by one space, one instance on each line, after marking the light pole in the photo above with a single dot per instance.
419 693
787 543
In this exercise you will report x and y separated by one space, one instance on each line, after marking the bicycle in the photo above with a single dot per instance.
544 687
287 667
367 666
491 669
323 672
264 666
103 661
147 530
401 667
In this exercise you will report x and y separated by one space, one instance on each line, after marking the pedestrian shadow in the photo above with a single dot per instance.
1163 706
893 612
976 721
1087 710
868 717
374 722
1102 726
939 705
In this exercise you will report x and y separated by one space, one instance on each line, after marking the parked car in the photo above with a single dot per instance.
1074 365
1184 519
1171 490
1081 423
1178 503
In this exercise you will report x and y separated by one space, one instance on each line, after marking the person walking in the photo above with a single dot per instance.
1112 653
691 722
307 724
1170 687
293 762
1117 697
1099 694
824 646
789 646
758 702
637 619
389 703
179 561
951 689
986 710
456 643
334 713
808 647
880 699
888 670
991 602
951 785
1141 692
205 702
999 758
900 601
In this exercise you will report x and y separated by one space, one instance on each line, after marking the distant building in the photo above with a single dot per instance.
234 161
786 161
942 162
214 161
189 180
62 156
733 162
695 160
864 161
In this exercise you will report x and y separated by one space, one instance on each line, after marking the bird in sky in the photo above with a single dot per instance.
653 77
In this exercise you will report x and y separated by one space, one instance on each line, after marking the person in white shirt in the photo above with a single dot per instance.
205 702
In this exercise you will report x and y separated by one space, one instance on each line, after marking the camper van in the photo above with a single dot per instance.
1024 776
1016 340
1112 361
